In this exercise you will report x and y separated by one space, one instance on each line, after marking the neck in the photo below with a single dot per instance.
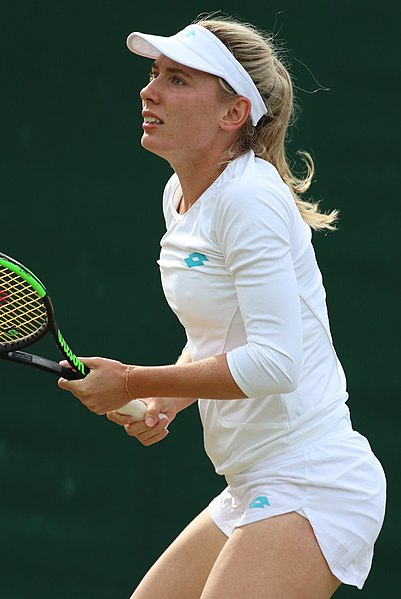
195 178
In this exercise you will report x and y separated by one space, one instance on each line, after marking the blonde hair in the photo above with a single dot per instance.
259 57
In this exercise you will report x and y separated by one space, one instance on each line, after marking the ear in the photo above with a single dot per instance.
236 114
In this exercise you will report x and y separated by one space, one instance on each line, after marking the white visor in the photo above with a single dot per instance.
198 48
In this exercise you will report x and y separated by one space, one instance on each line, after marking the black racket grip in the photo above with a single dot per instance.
70 374
27 359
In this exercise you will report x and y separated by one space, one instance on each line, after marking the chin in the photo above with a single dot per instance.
148 144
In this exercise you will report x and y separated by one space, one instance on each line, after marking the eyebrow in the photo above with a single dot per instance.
175 70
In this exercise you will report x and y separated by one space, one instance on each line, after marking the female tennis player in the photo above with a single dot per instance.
305 495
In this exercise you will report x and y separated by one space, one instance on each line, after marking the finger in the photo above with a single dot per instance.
64 384
147 440
68 385
152 412
121 419
144 433
161 424
90 362
156 438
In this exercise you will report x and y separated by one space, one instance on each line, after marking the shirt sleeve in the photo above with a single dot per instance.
254 232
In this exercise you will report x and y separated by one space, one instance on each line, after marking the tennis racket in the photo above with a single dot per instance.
26 316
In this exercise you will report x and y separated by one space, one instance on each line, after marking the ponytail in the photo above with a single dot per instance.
256 52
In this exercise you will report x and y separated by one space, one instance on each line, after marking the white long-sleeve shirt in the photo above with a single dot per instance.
239 270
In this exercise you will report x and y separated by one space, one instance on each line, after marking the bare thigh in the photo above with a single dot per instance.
276 558
181 572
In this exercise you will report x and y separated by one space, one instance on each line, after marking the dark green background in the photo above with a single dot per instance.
84 509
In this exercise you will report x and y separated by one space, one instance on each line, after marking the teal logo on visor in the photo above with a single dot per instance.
187 33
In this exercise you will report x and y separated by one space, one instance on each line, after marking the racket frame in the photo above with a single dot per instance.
13 351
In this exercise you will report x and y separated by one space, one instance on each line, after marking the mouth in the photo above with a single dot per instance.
152 120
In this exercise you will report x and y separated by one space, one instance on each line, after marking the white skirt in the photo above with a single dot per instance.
337 483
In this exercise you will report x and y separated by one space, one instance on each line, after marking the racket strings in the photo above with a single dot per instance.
22 312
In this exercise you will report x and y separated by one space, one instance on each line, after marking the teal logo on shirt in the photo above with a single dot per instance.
195 259
260 502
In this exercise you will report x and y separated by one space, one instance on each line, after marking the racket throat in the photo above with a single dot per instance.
69 354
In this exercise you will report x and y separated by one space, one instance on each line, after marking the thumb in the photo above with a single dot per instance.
90 363
152 413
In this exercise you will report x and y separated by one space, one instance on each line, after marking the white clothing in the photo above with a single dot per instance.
336 483
239 271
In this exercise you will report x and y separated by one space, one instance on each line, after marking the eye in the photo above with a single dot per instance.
177 81
152 75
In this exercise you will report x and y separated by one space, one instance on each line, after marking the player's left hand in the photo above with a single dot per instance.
147 433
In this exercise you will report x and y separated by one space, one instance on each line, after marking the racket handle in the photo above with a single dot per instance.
69 374
134 408
137 409
27 359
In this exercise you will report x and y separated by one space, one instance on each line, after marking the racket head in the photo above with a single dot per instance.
27 314
24 313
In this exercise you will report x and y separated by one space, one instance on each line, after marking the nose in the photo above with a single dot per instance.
149 92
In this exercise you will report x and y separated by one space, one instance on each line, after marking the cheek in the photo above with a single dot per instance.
202 120
195 111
